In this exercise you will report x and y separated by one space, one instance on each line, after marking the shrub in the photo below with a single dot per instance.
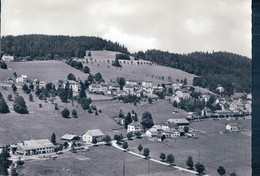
65 113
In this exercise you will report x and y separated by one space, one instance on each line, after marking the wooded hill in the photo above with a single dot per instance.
54 47
230 70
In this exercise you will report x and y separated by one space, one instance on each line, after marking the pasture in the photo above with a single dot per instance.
103 160
212 149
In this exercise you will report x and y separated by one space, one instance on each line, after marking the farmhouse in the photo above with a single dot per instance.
129 89
94 88
22 79
34 147
42 84
147 84
177 123
232 127
206 112
70 138
171 133
184 94
7 58
72 85
151 132
10 80
222 113
91 134
131 82
133 127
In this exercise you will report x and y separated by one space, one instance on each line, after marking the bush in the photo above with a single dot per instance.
71 77
65 113
4 109
74 113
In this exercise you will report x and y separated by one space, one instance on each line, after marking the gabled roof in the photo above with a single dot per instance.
34 144
95 133
68 137
233 124
178 121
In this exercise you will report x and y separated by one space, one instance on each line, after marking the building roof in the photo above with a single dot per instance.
157 127
178 121
68 137
135 124
232 124
152 130
34 144
95 133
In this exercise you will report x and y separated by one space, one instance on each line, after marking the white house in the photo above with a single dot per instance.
171 133
94 88
133 127
151 132
91 134
184 94
220 89
42 84
34 147
72 85
10 80
22 79
7 58
232 127
131 82
147 84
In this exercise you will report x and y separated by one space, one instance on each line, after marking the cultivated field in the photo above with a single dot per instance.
102 160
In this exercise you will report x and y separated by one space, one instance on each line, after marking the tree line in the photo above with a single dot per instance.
46 47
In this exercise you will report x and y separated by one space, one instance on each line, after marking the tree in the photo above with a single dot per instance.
221 170
121 115
185 81
71 77
128 119
107 139
89 54
4 109
85 103
30 97
20 105
53 138
140 148
56 106
15 74
199 168
65 113
25 88
14 172
4 161
94 141
162 156
186 129
98 76
96 113
14 88
146 152
138 134
118 138
116 63
90 78
31 86
3 65
10 97
129 135
86 69
74 113
189 162
175 104
125 145
147 120
150 101
121 82
82 93
170 159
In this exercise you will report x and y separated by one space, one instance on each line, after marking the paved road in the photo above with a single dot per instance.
154 160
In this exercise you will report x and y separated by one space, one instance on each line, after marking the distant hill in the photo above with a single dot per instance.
55 47
230 70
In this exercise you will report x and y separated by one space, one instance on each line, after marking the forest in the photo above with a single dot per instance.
46 47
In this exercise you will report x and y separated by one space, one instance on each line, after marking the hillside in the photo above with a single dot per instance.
230 70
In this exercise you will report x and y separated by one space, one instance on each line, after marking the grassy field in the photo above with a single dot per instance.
101 160
212 149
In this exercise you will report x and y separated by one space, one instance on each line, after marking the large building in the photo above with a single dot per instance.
34 147
7 58
177 123
91 134
22 79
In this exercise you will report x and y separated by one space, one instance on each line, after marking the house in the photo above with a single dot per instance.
72 85
121 93
220 89
190 115
36 81
222 113
91 134
42 84
103 88
171 133
70 139
7 58
147 84
93 88
134 126
152 132
129 89
177 123
34 147
249 96
206 112
131 82
114 86
182 132
22 79
232 127
10 80
184 94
